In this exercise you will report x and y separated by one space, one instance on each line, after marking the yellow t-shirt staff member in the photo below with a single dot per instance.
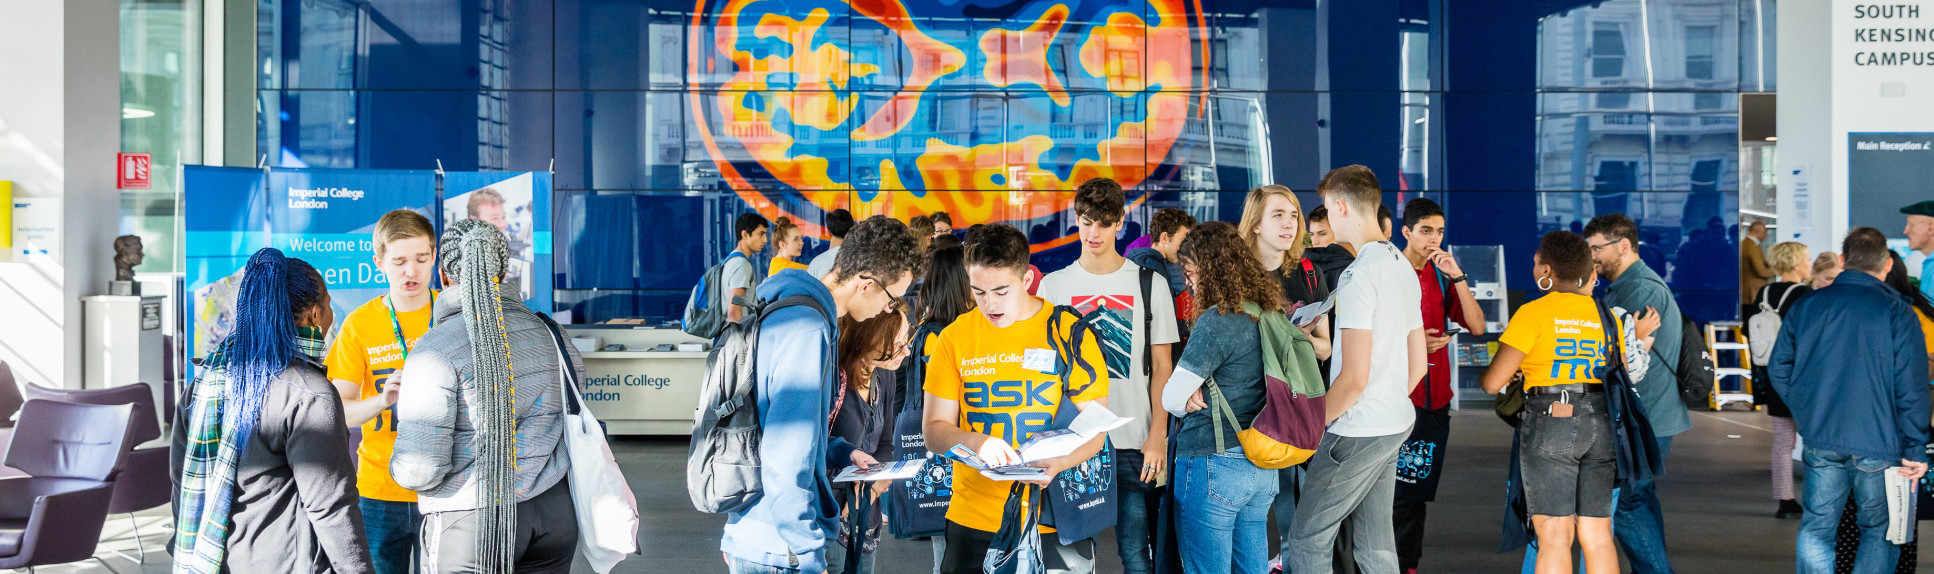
365 365
991 384
1559 343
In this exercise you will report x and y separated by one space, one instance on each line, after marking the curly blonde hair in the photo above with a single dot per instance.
1787 256
1227 273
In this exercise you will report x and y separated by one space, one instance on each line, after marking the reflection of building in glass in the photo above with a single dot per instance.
1639 98
315 127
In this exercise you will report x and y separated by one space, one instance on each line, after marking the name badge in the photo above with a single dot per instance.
1038 360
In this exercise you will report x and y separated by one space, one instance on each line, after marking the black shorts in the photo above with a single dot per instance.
1568 463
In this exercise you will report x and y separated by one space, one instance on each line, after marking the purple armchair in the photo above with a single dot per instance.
9 396
144 482
71 454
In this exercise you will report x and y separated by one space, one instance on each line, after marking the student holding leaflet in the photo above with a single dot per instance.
992 383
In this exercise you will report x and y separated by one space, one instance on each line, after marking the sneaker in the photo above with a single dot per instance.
1788 510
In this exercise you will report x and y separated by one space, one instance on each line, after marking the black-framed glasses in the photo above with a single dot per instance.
894 351
1599 246
894 302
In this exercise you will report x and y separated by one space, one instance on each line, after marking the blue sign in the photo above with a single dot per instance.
321 216
519 204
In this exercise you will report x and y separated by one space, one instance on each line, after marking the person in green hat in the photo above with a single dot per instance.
1920 237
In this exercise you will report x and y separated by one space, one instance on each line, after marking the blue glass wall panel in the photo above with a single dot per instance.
667 118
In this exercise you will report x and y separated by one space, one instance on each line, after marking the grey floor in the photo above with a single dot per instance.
1719 512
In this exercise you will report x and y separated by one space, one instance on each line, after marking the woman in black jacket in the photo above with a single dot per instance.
869 352
1790 261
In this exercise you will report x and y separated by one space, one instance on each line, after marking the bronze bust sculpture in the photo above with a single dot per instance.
127 254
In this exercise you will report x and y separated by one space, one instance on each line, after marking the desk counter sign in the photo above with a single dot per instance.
150 315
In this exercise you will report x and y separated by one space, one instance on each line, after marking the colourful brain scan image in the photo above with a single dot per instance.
905 107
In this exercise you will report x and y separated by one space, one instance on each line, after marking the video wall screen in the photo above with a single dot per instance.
665 119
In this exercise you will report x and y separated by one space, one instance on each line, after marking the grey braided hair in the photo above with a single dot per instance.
475 254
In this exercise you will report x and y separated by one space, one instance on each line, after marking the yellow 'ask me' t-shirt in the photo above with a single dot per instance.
1562 340
980 366
366 352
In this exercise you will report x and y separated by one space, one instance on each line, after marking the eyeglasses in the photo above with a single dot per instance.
898 349
1597 247
893 302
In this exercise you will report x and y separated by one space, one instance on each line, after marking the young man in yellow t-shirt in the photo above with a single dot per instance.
988 390
366 363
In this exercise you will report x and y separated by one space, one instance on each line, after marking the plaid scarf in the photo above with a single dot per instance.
208 466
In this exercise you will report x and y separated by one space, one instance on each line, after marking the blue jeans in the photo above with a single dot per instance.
1131 513
392 529
1224 523
1639 524
735 565
1830 477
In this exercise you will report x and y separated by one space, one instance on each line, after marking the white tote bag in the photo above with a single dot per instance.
607 512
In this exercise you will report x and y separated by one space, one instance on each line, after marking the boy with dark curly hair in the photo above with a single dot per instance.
788 528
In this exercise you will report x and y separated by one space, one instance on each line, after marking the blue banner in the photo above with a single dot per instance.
322 216
519 203
225 215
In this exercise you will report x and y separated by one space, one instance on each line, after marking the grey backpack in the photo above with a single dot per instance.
722 470
704 315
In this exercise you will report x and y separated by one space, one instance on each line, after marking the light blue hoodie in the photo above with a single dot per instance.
789 524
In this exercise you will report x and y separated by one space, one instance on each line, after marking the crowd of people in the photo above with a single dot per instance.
1175 339
952 350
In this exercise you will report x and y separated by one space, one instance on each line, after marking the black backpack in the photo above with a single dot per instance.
1694 366
722 469
1148 324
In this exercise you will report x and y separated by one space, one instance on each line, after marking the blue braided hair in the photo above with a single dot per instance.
274 290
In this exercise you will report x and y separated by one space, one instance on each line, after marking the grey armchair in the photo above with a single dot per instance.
144 482
71 453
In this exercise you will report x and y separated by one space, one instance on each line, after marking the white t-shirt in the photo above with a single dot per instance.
1378 292
822 263
1117 297
738 273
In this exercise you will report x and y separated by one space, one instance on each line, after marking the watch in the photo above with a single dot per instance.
1460 278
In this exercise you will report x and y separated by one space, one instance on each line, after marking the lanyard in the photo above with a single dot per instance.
397 327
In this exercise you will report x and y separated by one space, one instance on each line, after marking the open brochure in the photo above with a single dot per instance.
1901 500
1308 313
1044 445
884 471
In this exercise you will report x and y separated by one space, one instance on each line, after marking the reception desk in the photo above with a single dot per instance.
638 391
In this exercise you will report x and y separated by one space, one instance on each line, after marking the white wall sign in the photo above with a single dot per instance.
1883 82
36 226
1799 186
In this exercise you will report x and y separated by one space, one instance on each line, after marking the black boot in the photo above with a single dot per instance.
1788 510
